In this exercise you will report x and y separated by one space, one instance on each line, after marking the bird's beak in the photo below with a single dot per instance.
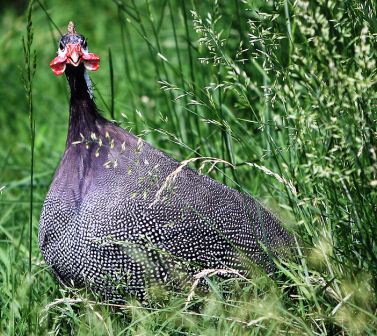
74 55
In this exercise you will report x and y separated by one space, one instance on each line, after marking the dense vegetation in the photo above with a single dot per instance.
283 91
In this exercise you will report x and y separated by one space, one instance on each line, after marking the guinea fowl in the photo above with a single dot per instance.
121 215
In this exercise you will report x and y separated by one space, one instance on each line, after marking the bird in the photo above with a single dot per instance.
121 215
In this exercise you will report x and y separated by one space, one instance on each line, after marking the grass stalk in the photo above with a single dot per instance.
127 66
28 75
111 72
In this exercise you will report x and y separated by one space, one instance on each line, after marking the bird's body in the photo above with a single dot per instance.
121 214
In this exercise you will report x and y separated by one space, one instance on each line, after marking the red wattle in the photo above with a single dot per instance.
91 61
57 65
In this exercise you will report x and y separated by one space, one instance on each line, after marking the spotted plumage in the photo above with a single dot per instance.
121 214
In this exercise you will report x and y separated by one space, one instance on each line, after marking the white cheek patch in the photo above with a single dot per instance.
62 53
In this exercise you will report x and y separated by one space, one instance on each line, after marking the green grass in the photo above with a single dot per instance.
286 93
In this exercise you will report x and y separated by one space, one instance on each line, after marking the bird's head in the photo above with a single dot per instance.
73 50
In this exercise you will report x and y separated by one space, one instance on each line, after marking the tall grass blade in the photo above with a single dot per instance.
111 71
28 75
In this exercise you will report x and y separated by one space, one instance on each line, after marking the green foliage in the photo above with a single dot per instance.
274 98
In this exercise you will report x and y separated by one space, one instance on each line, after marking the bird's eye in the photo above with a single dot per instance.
84 44
61 46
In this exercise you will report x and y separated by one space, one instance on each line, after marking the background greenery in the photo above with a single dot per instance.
285 92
